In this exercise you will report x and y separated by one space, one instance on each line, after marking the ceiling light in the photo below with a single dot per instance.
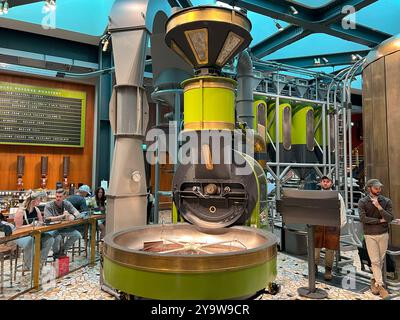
294 10
278 26
50 5
5 7
356 56
105 45
325 60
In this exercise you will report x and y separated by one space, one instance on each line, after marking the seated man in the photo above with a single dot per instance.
57 210
78 201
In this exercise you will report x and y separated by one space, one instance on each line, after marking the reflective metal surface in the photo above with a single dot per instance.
387 47
253 247
287 128
381 118
310 130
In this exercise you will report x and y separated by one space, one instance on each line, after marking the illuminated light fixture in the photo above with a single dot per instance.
5 7
293 10
325 60
105 45
50 5
178 50
105 41
232 42
355 57
278 26
198 41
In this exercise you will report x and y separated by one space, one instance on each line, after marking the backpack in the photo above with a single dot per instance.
5 230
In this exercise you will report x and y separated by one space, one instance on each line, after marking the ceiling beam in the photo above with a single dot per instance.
359 34
180 3
185 3
283 38
326 20
15 3
331 59
333 12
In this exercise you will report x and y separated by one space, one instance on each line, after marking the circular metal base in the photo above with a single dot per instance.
317 294
133 265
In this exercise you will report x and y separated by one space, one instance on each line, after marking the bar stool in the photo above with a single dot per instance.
6 251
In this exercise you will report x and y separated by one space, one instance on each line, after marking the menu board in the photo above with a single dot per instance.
41 116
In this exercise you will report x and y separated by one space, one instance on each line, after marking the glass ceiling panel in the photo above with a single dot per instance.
382 15
87 17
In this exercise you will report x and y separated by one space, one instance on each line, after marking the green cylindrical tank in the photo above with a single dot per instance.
319 132
303 137
209 103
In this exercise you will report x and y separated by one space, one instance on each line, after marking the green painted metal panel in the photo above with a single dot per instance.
186 286
209 105
299 124
271 120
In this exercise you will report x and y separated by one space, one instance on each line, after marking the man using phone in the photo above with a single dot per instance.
376 214
57 210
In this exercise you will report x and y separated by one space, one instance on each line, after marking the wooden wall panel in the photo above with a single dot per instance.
81 158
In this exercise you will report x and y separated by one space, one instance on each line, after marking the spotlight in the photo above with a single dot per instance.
105 41
105 45
278 26
325 60
356 57
294 10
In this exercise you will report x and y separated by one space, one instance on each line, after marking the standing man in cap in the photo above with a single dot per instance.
376 214
328 237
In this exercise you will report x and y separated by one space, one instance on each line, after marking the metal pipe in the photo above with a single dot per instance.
272 95
277 157
244 99
177 118
284 172
348 81
155 217
286 67
272 172
318 146
346 195
296 165
323 116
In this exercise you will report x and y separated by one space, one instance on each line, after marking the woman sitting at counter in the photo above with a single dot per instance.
27 214
100 197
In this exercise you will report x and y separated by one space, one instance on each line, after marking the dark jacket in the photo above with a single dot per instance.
370 215
78 202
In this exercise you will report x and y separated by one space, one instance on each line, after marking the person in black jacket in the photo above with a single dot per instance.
376 214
